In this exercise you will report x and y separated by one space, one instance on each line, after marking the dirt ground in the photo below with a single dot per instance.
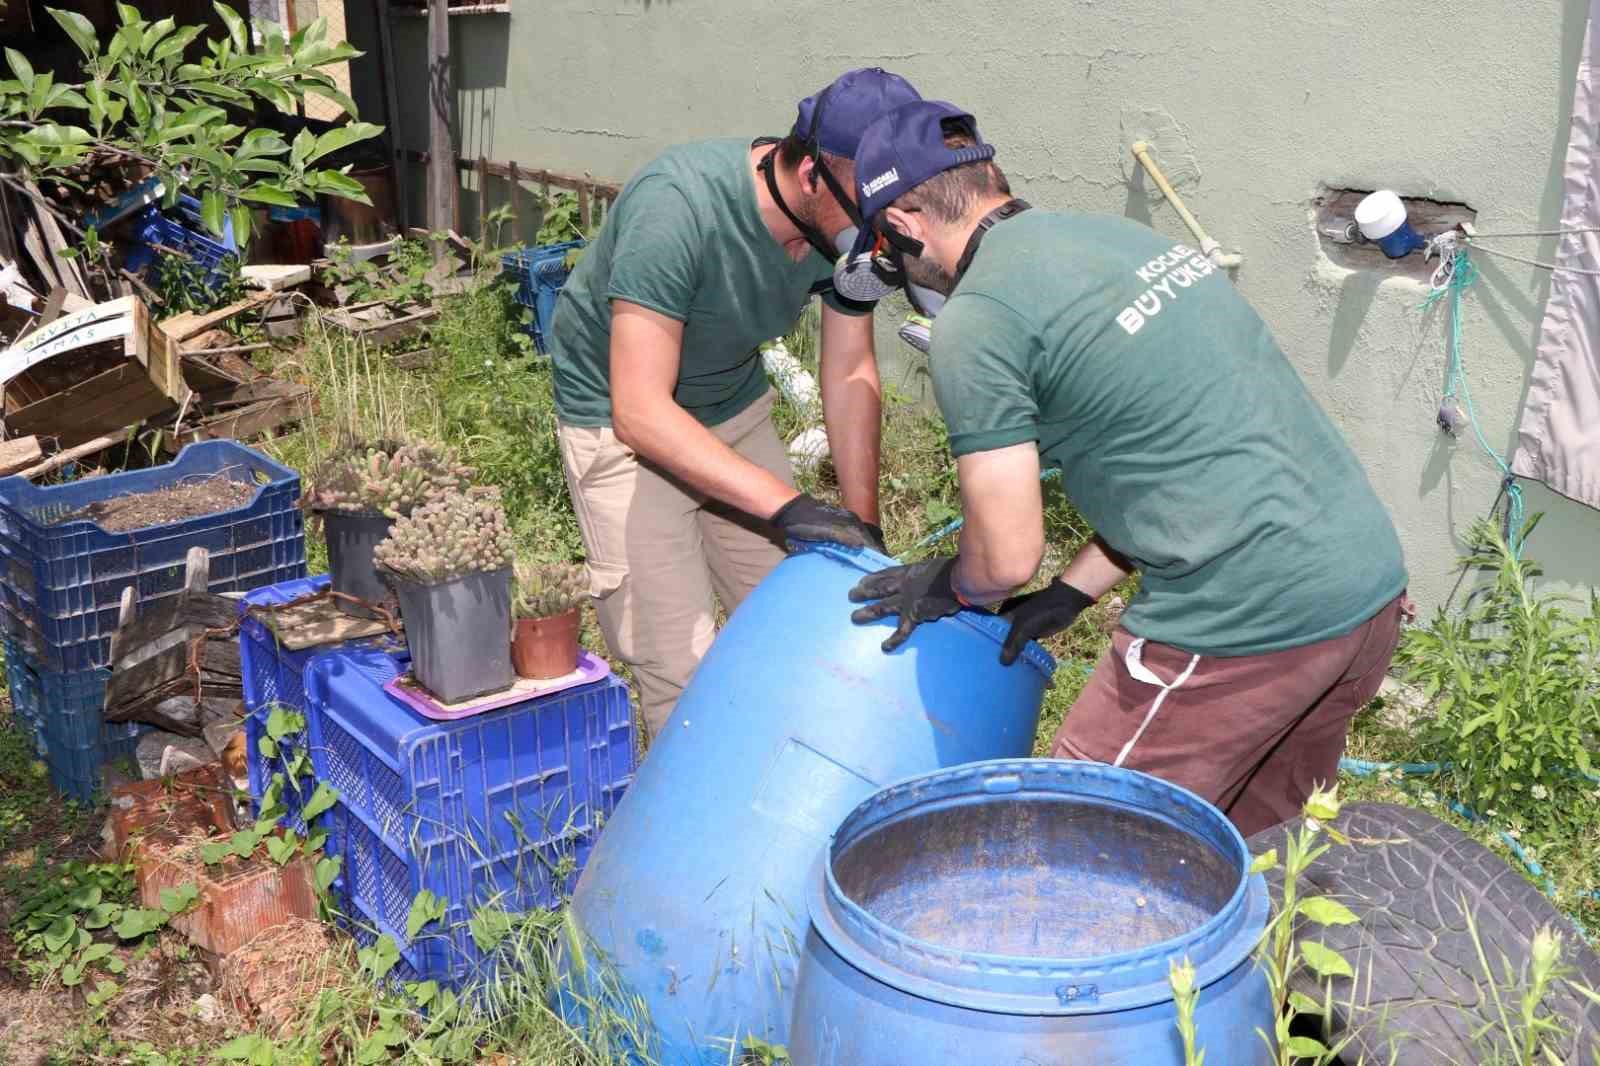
136 510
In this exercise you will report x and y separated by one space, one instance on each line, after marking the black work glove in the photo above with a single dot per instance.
920 592
806 518
1039 614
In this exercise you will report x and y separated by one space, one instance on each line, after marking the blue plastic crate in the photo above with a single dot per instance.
274 677
189 236
540 274
62 583
499 809
63 716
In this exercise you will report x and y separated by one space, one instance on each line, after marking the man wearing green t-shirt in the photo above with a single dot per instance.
681 486
1271 578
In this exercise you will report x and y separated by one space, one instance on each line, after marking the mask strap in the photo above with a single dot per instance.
809 232
999 214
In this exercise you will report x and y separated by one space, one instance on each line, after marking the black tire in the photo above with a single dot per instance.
1421 996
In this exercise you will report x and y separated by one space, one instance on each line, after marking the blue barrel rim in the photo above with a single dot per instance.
992 626
1021 985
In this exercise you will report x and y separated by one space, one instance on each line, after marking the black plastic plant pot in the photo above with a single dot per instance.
352 535
459 632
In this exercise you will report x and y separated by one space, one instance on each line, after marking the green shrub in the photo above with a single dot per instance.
1516 696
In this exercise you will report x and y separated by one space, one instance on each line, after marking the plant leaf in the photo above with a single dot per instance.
321 800
1323 960
425 908
20 67
238 32
342 136
282 721
59 933
1267 860
1325 910
213 211
327 871
79 28
263 193
177 900
282 848
137 922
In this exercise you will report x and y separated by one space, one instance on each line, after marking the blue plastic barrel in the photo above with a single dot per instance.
1027 911
694 895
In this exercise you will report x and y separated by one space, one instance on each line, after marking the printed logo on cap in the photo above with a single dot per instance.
882 181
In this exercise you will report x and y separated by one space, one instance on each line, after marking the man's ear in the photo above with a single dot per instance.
906 222
806 174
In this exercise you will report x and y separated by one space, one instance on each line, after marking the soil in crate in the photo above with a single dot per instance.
189 499
161 814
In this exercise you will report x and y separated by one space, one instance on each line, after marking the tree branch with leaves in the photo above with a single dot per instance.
141 99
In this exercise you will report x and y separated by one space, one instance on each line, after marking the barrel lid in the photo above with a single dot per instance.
990 625
1008 984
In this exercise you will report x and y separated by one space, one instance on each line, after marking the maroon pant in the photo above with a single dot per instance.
1253 734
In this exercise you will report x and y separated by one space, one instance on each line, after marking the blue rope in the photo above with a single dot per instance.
1462 275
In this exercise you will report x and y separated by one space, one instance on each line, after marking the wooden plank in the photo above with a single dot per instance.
441 96
416 360
159 354
250 392
188 324
605 190
19 454
248 422
71 271
584 215
120 397
483 198
33 243
515 177
61 459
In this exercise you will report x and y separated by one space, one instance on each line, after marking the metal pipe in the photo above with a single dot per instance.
1208 247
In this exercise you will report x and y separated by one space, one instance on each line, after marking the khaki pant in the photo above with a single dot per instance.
1253 734
658 550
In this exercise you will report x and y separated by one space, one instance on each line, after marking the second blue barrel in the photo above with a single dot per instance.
1027 911
693 900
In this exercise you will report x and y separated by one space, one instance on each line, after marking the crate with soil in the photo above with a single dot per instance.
69 550
360 494
449 562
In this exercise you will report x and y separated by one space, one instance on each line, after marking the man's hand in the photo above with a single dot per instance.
806 518
1039 614
920 592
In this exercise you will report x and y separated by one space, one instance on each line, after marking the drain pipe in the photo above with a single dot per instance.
1208 247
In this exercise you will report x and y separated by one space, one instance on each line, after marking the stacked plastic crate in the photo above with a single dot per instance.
493 814
274 684
64 576
540 273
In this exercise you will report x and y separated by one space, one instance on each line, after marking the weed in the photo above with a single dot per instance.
184 285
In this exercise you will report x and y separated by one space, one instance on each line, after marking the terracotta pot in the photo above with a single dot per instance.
546 647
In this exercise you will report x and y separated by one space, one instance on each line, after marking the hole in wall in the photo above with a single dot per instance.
1341 243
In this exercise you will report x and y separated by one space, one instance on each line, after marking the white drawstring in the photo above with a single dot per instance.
1134 661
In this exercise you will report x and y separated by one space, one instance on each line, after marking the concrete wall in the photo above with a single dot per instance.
1254 105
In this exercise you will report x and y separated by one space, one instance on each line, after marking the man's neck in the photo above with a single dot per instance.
783 231
950 254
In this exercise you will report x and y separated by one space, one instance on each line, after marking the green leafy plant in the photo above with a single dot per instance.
549 590
391 481
139 98
402 279
58 925
448 537
1180 977
184 285
1514 685
1284 951
759 1052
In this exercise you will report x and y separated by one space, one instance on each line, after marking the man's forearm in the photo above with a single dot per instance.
1096 569
852 409
671 438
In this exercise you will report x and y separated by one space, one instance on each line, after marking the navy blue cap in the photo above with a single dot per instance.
848 106
904 148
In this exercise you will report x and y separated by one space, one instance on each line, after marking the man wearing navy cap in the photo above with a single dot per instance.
1271 579
681 485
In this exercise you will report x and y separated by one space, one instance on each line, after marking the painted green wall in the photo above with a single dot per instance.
1253 105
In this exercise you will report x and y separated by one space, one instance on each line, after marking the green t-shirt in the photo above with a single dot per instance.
685 238
1182 432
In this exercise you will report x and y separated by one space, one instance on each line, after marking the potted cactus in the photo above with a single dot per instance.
450 564
361 492
546 604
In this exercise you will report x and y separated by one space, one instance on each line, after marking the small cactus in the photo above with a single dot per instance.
448 537
392 480
547 591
